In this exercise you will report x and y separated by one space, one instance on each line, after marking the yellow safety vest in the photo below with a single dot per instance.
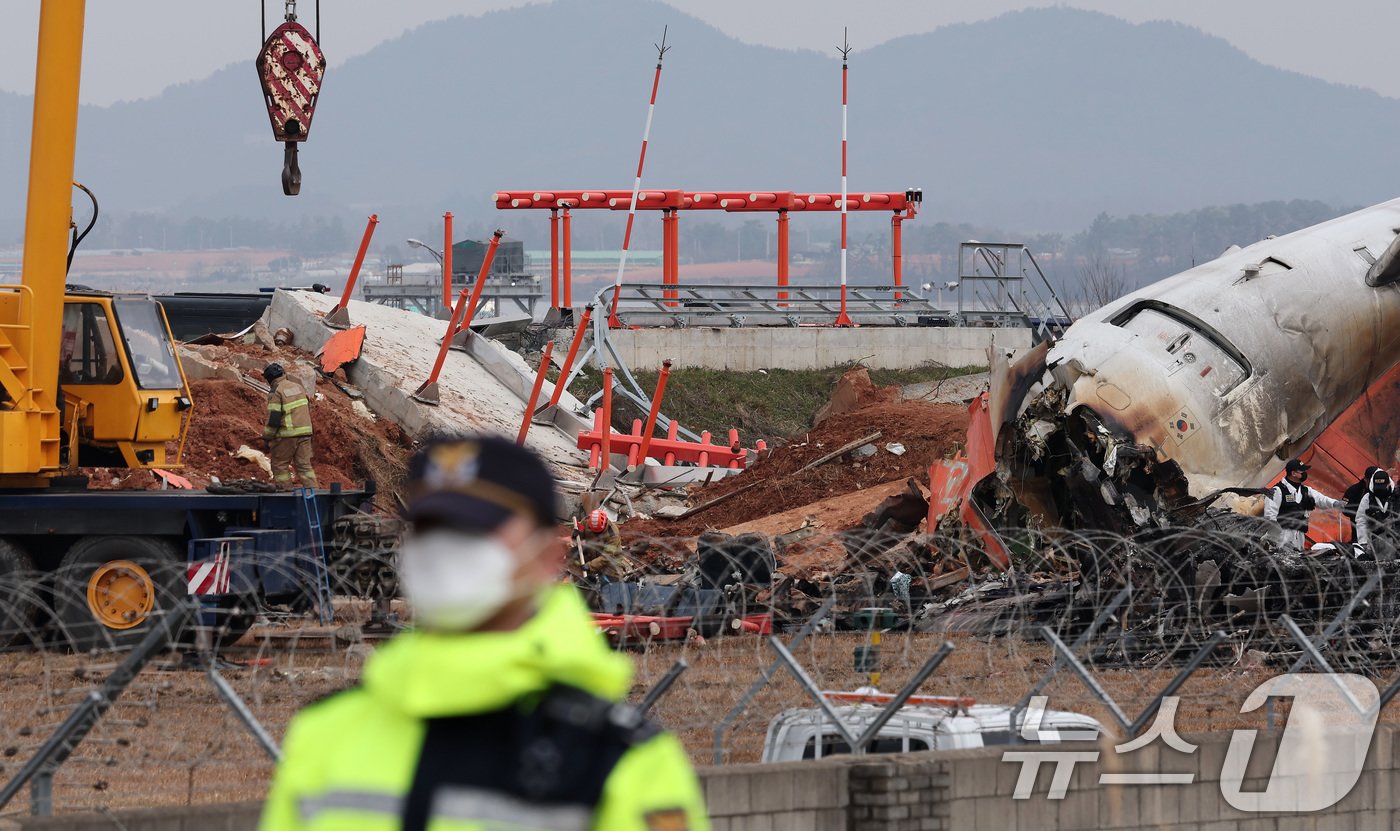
472 732
288 411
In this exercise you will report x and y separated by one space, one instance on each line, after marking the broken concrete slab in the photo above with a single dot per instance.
656 475
508 324
957 390
484 390
199 365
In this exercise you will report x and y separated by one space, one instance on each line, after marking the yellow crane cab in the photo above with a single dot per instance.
123 388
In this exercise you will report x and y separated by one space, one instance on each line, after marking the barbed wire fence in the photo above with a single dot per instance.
1102 625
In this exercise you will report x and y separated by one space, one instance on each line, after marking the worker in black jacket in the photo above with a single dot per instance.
1290 502
1372 518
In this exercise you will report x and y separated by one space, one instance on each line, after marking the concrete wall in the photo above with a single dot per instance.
970 790
793 796
967 790
233 816
771 347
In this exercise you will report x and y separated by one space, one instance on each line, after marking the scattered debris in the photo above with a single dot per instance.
363 411
255 456
342 348
827 513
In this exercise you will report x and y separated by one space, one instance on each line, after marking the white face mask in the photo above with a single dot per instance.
455 581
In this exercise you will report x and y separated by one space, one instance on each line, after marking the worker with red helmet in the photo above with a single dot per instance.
597 537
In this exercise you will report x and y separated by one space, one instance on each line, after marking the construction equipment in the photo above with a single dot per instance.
93 379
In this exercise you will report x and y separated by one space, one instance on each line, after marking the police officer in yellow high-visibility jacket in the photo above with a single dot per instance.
288 430
500 710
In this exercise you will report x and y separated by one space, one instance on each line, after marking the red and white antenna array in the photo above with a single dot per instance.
843 319
661 48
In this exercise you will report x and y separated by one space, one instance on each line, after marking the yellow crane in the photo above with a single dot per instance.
87 377
93 378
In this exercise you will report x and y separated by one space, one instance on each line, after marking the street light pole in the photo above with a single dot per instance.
413 243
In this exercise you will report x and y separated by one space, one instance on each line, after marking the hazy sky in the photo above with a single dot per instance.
1346 41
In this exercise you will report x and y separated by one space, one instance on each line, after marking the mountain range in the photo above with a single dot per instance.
1040 119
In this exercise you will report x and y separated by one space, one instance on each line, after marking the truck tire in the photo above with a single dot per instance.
19 599
109 591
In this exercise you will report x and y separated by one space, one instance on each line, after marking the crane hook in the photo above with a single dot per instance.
291 171
291 68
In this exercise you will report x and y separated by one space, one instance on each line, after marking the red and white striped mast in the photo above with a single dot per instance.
661 48
843 319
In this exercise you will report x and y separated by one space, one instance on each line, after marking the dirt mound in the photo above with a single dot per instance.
927 431
349 448
855 391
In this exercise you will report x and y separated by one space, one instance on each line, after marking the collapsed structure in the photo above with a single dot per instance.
1091 463
1208 380
1114 445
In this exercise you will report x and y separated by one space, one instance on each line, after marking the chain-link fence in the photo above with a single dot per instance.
1102 626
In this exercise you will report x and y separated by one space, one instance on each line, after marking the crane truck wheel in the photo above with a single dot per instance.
18 602
110 591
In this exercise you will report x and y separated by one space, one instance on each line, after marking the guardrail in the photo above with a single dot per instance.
748 304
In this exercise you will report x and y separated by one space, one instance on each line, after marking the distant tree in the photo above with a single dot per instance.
1101 282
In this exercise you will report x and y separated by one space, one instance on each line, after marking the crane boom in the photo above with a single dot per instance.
33 316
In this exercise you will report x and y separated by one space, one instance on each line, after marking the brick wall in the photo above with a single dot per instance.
890 795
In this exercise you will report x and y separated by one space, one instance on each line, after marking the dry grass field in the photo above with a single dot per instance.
171 741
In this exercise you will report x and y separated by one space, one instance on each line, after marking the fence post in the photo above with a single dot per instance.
663 686
765 676
815 693
245 715
41 793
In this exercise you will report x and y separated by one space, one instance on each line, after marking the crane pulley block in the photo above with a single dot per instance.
291 68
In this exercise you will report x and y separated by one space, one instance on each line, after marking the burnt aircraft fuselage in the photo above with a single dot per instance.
1206 380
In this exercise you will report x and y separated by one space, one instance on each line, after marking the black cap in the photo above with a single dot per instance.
475 483
1295 465
273 371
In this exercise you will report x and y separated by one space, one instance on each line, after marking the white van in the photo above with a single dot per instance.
923 723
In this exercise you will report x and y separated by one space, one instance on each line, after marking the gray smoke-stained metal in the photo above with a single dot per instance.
1209 379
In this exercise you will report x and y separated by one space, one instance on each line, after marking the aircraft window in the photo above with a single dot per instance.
1188 344
87 353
